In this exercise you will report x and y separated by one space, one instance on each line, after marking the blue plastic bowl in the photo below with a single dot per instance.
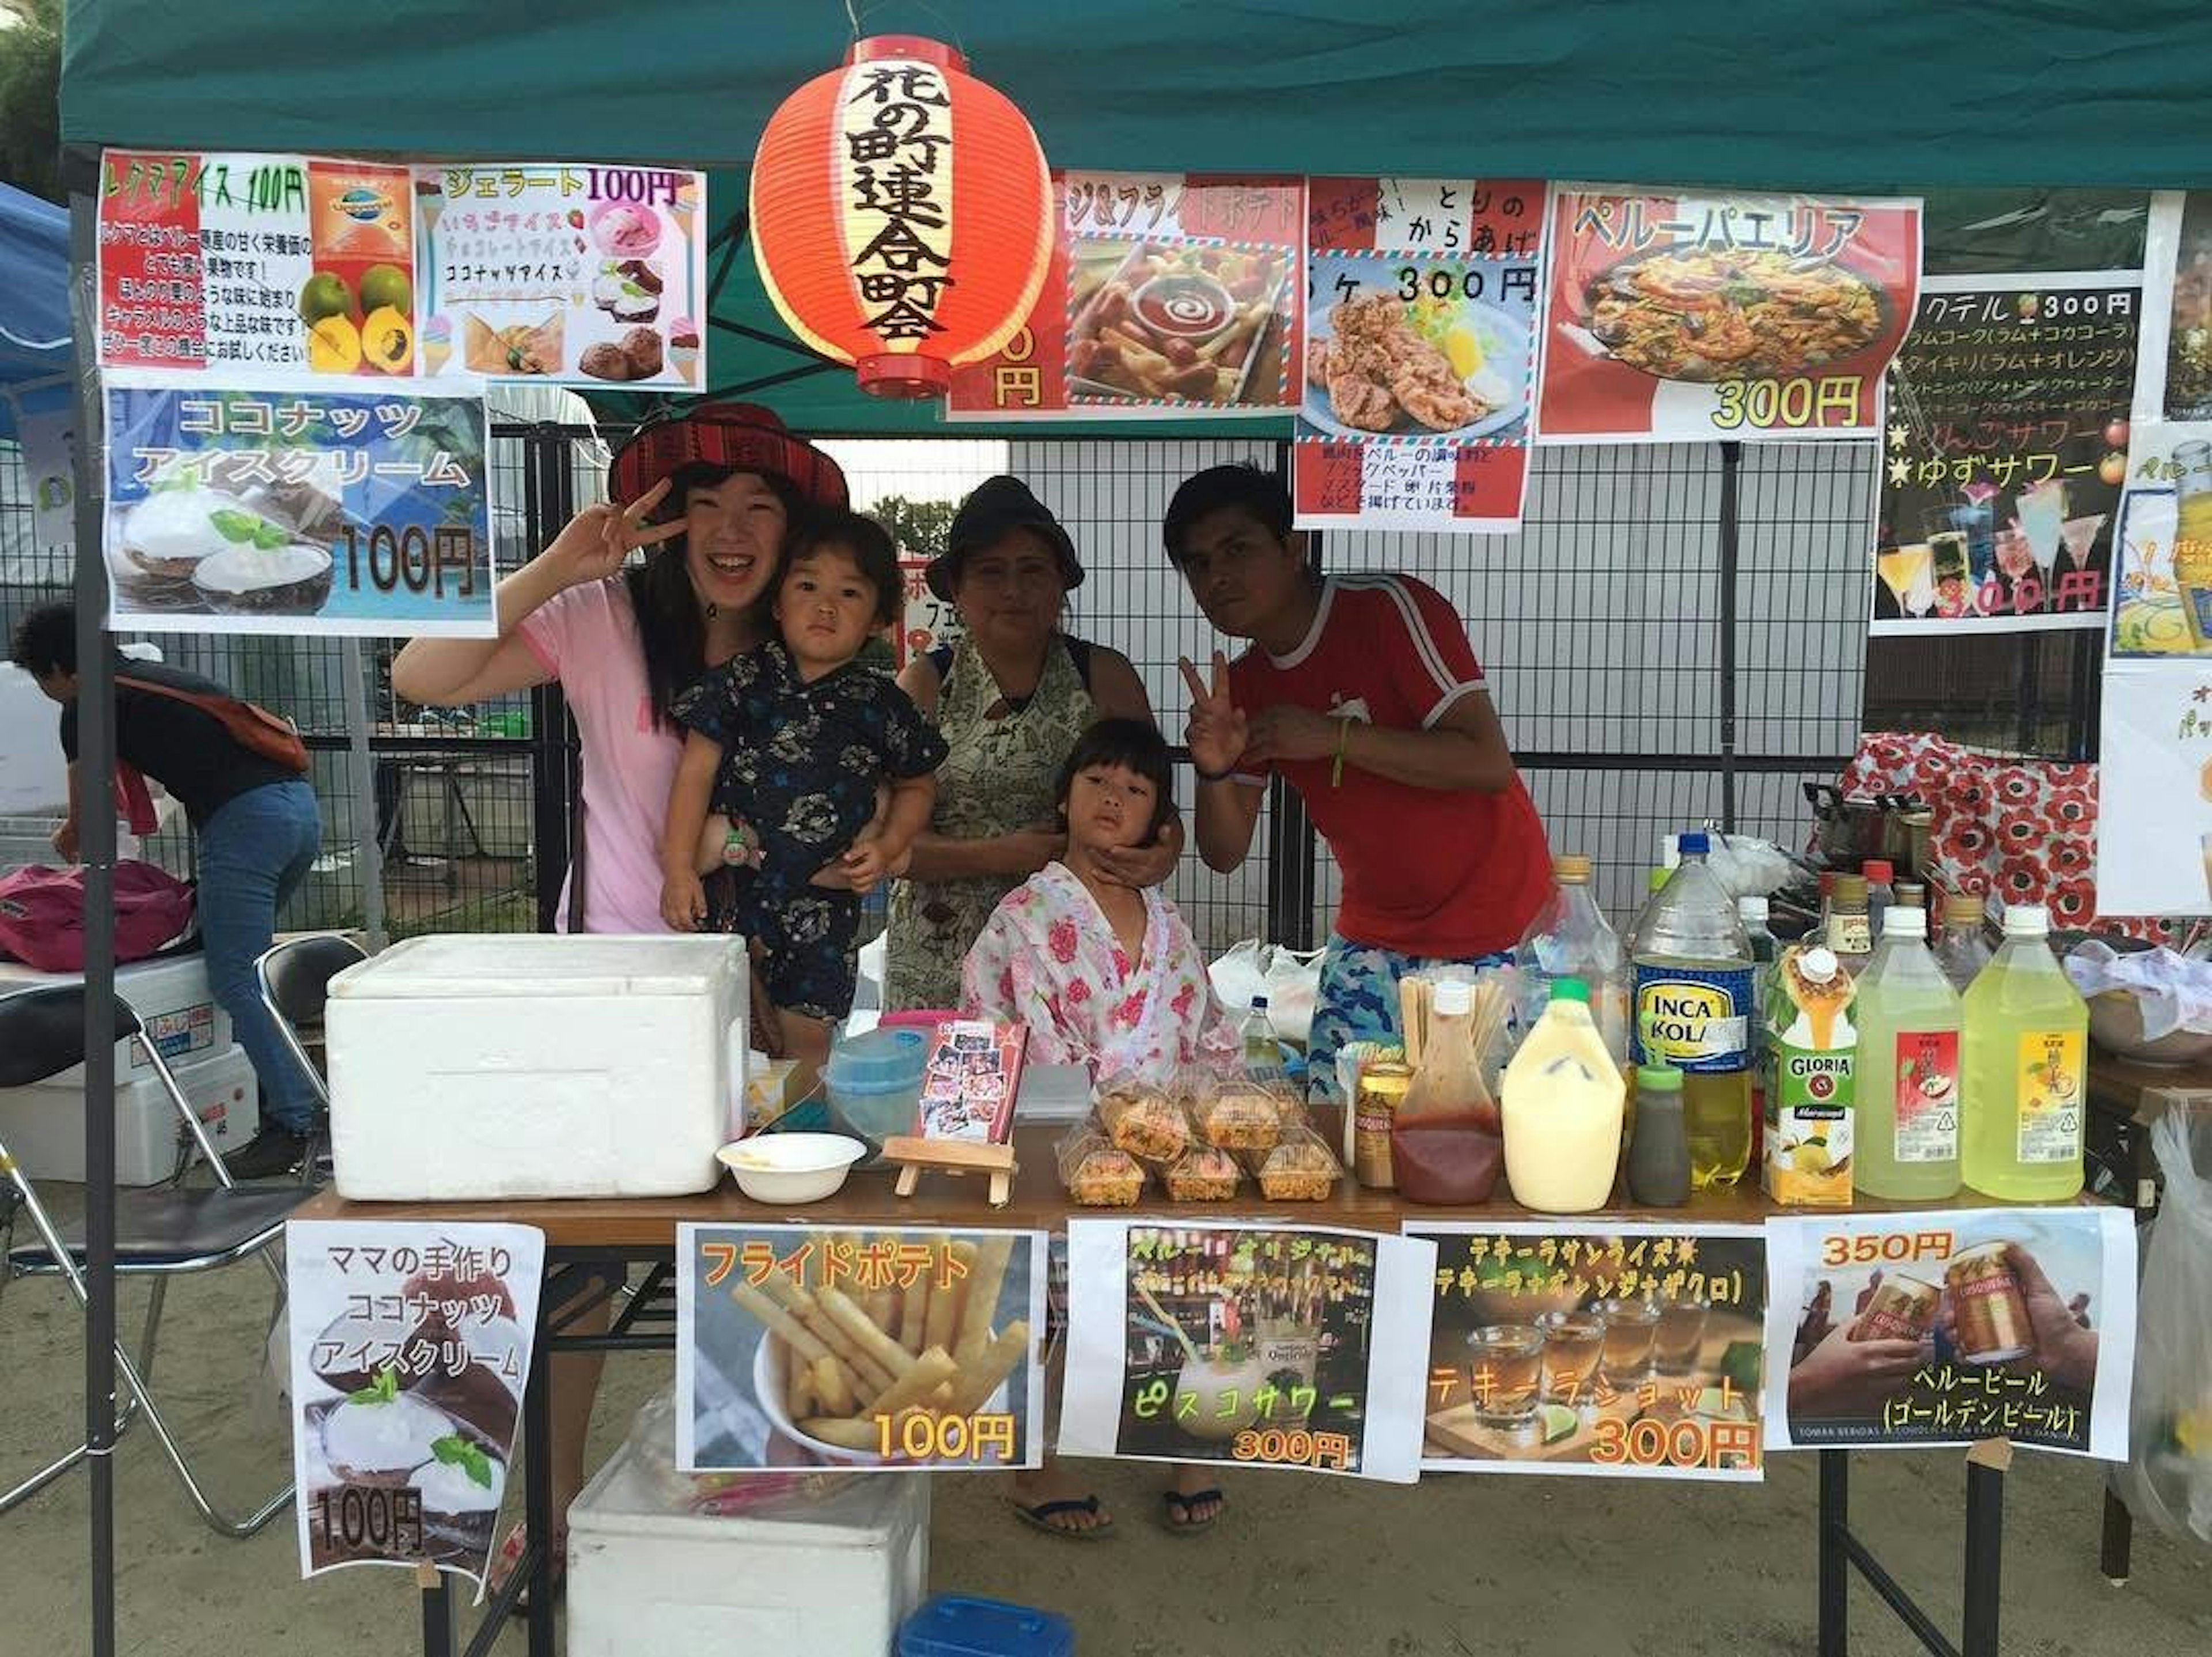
874 1080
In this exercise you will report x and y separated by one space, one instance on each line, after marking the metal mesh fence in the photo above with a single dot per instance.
1641 690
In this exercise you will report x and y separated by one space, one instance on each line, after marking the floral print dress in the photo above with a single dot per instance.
1049 957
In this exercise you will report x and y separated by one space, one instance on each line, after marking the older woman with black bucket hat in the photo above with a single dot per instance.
1010 700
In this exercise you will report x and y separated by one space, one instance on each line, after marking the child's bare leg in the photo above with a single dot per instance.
713 837
806 1043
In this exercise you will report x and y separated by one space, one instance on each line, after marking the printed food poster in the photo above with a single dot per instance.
1905 1330
2155 821
807 1346
1169 295
1252 1345
970 1080
2162 607
926 623
226 261
2003 452
2176 381
1420 352
593 275
1681 318
411 1348
298 263
1608 1348
363 512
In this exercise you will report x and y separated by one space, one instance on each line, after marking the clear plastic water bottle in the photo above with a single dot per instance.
1571 938
1693 969
1263 1054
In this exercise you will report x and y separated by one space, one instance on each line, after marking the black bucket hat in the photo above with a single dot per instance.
994 506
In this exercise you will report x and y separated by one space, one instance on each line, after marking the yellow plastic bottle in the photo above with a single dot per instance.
1562 1101
2023 1072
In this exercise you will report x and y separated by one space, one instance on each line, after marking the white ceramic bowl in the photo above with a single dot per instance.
790 1167
768 1388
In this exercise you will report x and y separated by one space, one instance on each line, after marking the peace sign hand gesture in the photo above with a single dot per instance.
598 541
1218 733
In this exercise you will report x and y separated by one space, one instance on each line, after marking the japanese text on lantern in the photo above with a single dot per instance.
898 151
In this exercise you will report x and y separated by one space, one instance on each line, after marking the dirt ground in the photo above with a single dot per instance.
1299 1566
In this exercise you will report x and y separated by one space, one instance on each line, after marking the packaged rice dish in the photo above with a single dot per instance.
1144 1122
1096 1174
1205 1174
1300 1169
1239 1116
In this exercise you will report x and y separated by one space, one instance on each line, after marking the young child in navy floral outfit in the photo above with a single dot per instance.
786 751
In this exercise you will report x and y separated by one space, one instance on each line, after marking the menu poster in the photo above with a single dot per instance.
49 442
569 272
2003 455
1688 318
925 621
410 1347
1254 1345
1604 1348
1907 1329
1420 352
2176 381
225 261
585 274
1169 295
808 1346
2154 785
2162 605
971 1079
341 512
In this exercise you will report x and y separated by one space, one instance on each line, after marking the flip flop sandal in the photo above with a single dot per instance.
1041 1517
1180 1522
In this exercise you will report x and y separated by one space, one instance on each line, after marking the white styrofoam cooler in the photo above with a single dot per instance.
173 1001
533 1065
835 1580
43 1127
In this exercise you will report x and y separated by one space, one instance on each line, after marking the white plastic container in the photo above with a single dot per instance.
535 1065
834 1580
1563 1104
171 997
43 1127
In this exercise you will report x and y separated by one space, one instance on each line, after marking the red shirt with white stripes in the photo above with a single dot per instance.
1426 872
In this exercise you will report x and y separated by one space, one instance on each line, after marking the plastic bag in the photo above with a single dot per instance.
652 1442
2167 1480
1289 979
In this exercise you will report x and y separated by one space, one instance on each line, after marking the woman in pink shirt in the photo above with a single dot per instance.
708 495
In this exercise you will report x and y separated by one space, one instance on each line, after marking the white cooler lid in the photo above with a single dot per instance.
539 965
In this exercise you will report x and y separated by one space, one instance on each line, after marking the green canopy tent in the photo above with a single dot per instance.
1886 95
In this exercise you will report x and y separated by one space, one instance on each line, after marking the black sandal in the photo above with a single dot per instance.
1180 1523
1041 1516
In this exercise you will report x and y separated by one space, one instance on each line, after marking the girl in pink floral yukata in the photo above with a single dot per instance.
1103 975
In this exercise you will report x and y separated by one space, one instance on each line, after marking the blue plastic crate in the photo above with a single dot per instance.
955 1625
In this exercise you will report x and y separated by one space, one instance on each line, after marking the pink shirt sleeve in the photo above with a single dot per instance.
556 629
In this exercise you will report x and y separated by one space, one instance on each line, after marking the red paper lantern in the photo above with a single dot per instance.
901 215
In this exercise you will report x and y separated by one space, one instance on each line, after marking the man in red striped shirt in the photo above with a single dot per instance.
1362 693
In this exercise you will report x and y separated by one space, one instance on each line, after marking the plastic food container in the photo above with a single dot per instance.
874 1081
955 1625
790 1167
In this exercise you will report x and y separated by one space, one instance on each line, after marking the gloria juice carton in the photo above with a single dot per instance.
1811 1056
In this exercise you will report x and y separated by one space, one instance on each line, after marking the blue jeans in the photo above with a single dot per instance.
254 851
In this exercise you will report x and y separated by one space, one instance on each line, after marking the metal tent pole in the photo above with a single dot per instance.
360 770
96 795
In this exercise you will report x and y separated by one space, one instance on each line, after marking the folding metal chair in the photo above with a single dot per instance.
295 985
161 1233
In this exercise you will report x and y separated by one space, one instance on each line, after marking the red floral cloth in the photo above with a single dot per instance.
2013 830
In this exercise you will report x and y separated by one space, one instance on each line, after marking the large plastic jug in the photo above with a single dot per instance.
1563 1105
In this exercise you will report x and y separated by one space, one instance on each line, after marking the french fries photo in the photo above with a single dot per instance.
891 1348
